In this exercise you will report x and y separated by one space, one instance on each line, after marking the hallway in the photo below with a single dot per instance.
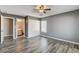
37 45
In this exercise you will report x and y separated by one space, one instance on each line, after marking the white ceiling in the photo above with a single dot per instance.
25 10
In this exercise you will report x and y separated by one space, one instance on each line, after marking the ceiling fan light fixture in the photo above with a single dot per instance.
42 8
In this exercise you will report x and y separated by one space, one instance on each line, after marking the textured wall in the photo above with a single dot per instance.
64 26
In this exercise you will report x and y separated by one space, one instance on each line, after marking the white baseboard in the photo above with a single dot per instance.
33 36
60 39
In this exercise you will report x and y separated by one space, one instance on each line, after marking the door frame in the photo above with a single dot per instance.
2 28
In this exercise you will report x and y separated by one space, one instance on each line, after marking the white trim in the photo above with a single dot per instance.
33 36
60 39
14 28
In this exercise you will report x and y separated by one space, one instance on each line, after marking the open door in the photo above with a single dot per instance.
2 32
14 28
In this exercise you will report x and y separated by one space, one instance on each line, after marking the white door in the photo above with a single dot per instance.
14 28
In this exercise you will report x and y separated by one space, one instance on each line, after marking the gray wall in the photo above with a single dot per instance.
64 26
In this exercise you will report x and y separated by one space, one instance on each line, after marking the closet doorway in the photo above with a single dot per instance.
8 28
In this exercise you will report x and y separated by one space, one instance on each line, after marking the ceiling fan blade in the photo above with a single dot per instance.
44 12
47 9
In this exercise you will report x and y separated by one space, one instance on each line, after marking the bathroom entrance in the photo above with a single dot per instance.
20 28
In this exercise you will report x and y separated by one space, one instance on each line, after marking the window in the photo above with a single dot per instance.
44 26
33 27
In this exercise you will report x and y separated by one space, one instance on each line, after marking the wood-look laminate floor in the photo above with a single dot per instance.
37 45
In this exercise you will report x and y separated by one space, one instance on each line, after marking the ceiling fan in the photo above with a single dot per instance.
42 8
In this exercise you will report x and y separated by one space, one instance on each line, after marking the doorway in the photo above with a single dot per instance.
8 28
20 28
